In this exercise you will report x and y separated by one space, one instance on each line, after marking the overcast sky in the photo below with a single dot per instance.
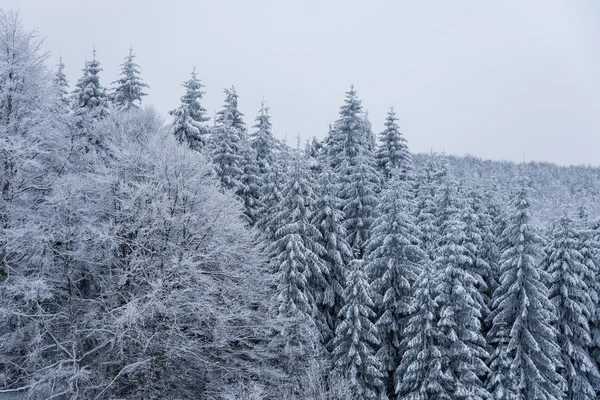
496 79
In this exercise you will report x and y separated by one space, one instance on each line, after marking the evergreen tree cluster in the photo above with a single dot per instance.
215 261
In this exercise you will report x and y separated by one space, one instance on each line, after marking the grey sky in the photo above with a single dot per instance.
490 78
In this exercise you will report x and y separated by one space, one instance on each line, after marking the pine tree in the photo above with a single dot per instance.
226 154
525 355
328 218
475 229
394 260
425 208
459 302
360 184
91 100
356 337
250 183
62 87
189 117
346 139
422 373
589 247
129 88
263 142
271 196
231 112
301 273
347 152
370 140
393 154
570 294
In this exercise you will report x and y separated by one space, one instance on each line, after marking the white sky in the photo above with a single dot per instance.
495 79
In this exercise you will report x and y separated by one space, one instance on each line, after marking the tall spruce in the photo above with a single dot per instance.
422 373
228 143
348 153
328 218
589 247
356 337
393 154
189 118
296 251
129 88
263 142
360 183
250 183
394 260
569 291
91 100
61 86
459 302
526 356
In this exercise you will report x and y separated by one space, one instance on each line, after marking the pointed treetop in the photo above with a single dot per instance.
129 88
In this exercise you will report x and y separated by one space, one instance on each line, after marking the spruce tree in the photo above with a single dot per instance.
459 302
91 100
394 260
393 154
189 118
263 142
356 337
360 183
328 218
270 196
475 230
226 154
370 140
129 88
425 208
250 183
348 153
525 356
296 251
589 247
62 88
231 112
347 139
570 293
422 373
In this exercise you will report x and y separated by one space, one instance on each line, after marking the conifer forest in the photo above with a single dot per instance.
186 256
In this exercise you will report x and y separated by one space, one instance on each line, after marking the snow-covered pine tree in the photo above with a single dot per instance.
189 118
471 214
302 275
422 373
270 197
569 291
589 247
459 301
360 183
394 260
346 139
230 111
348 153
229 139
62 88
525 354
392 153
250 183
91 100
425 208
370 140
328 218
356 337
129 88
262 140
